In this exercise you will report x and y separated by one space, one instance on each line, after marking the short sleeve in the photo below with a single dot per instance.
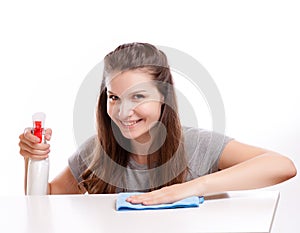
203 150
79 161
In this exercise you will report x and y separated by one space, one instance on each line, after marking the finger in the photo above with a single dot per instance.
24 140
48 134
29 136
164 195
146 201
138 199
26 154
27 151
33 145
35 149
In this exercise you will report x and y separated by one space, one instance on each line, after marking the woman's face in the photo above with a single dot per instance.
134 103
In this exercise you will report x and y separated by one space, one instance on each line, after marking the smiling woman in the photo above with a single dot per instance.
136 110
141 145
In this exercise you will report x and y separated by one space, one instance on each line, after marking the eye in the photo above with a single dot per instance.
138 96
113 97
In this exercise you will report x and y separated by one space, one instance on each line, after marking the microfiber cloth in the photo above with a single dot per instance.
122 204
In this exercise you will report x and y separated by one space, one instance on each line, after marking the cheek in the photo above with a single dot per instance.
150 110
109 110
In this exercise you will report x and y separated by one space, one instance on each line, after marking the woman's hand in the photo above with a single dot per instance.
30 146
165 195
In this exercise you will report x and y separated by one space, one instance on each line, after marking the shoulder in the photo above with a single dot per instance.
204 143
88 144
193 131
85 149
203 149
197 135
80 160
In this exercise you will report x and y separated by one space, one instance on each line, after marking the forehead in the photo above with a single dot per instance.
130 80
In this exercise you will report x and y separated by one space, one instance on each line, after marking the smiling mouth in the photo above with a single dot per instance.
130 123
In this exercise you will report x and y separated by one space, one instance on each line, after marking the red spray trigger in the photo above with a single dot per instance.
38 120
38 130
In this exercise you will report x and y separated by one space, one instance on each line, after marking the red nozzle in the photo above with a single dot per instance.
38 120
38 130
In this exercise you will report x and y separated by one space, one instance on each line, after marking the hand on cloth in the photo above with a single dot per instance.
165 195
173 196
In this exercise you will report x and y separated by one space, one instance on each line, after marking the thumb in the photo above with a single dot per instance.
48 134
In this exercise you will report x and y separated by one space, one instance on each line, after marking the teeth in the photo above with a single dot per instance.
129 123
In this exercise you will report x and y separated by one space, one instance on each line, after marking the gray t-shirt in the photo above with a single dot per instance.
203 149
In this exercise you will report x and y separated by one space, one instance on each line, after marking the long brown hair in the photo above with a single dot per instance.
109 159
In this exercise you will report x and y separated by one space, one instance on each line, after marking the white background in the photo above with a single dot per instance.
250 48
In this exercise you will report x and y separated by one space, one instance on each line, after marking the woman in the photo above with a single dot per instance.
141 145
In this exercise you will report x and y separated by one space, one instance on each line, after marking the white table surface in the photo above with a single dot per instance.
246 211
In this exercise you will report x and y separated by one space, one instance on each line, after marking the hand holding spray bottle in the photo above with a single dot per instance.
38 170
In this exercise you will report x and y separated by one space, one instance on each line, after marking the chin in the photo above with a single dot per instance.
130 136
139 137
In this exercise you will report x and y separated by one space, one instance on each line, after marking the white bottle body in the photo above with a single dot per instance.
37 177
38 170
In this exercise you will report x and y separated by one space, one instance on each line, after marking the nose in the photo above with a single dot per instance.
126 109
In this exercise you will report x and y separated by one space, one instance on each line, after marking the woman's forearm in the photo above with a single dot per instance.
261 171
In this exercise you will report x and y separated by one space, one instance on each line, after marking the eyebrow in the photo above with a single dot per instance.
131 93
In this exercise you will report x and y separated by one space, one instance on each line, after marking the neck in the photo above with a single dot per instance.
143 159
140 159
140 148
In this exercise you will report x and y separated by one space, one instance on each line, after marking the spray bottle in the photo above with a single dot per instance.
38 170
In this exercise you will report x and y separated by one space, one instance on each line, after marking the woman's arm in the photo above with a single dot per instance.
246 167
242 167
65 183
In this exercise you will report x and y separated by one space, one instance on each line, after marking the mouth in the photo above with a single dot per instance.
130 124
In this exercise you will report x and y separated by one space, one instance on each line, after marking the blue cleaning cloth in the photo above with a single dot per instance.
122 204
